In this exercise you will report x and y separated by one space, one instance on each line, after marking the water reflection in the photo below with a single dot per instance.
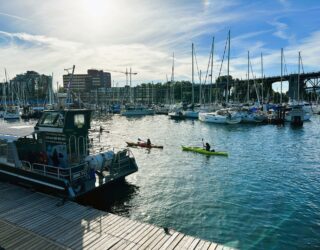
115 197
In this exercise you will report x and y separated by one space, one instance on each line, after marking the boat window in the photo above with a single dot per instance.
79 120
52 119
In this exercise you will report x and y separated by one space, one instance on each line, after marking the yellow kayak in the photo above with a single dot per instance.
203 151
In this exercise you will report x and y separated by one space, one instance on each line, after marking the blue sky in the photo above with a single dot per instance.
48 36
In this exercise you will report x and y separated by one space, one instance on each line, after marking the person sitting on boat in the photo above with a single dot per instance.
148 142
208 147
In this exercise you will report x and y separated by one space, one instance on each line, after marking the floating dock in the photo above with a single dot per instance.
32 220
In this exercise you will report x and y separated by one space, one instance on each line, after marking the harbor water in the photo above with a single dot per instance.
265 195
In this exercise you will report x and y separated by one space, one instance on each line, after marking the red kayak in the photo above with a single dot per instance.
142 144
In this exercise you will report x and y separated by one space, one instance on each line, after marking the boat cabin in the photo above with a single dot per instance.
55 155
60 139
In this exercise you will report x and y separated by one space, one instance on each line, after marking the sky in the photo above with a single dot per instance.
50 36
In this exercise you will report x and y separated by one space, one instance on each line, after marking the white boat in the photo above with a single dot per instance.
136 110
12 113
252 115
161 109
298 111
294 105
295 115
222 116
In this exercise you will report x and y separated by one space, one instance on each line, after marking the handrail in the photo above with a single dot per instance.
60 173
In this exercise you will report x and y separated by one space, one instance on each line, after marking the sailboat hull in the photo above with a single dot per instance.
219 119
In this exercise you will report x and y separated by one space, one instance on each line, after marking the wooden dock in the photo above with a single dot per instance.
32 220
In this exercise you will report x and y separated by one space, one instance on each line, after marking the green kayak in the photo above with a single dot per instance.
203 151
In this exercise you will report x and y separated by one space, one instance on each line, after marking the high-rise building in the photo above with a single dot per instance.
94 79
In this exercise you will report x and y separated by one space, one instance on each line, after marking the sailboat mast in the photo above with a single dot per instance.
172 78
299 60
262 77
200 90
131 95
248 76
227 95
5 96
211 87
192 47
281 76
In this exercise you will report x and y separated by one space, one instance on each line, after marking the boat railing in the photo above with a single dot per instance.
122 159
71 174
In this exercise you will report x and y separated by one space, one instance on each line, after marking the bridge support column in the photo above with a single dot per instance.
293 87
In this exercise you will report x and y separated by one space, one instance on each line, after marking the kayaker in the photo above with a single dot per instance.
208 147
148 142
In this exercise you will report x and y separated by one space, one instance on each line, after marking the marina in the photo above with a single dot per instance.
246 200
159 125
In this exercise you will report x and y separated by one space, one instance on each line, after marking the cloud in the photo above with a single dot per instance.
282 30
284 3
115 35
142 34
14 17
26 40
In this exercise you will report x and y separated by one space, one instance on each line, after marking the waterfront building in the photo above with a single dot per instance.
92 80
86 85
28 88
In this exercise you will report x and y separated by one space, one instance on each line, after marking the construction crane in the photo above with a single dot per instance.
130 73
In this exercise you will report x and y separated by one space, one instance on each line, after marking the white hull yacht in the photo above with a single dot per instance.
221 117
11 113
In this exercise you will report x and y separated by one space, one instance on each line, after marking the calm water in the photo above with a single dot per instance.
265 195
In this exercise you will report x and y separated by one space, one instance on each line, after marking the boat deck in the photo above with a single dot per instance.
31 220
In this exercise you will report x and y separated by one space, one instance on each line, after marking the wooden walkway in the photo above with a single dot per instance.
31 220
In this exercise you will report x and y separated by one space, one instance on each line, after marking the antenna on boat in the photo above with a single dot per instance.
69 84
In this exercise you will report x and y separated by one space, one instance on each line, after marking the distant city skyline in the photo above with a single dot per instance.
49 36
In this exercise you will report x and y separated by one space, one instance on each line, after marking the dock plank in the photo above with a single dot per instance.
31 220
185 243
206 245
194 244
18 238
212 246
